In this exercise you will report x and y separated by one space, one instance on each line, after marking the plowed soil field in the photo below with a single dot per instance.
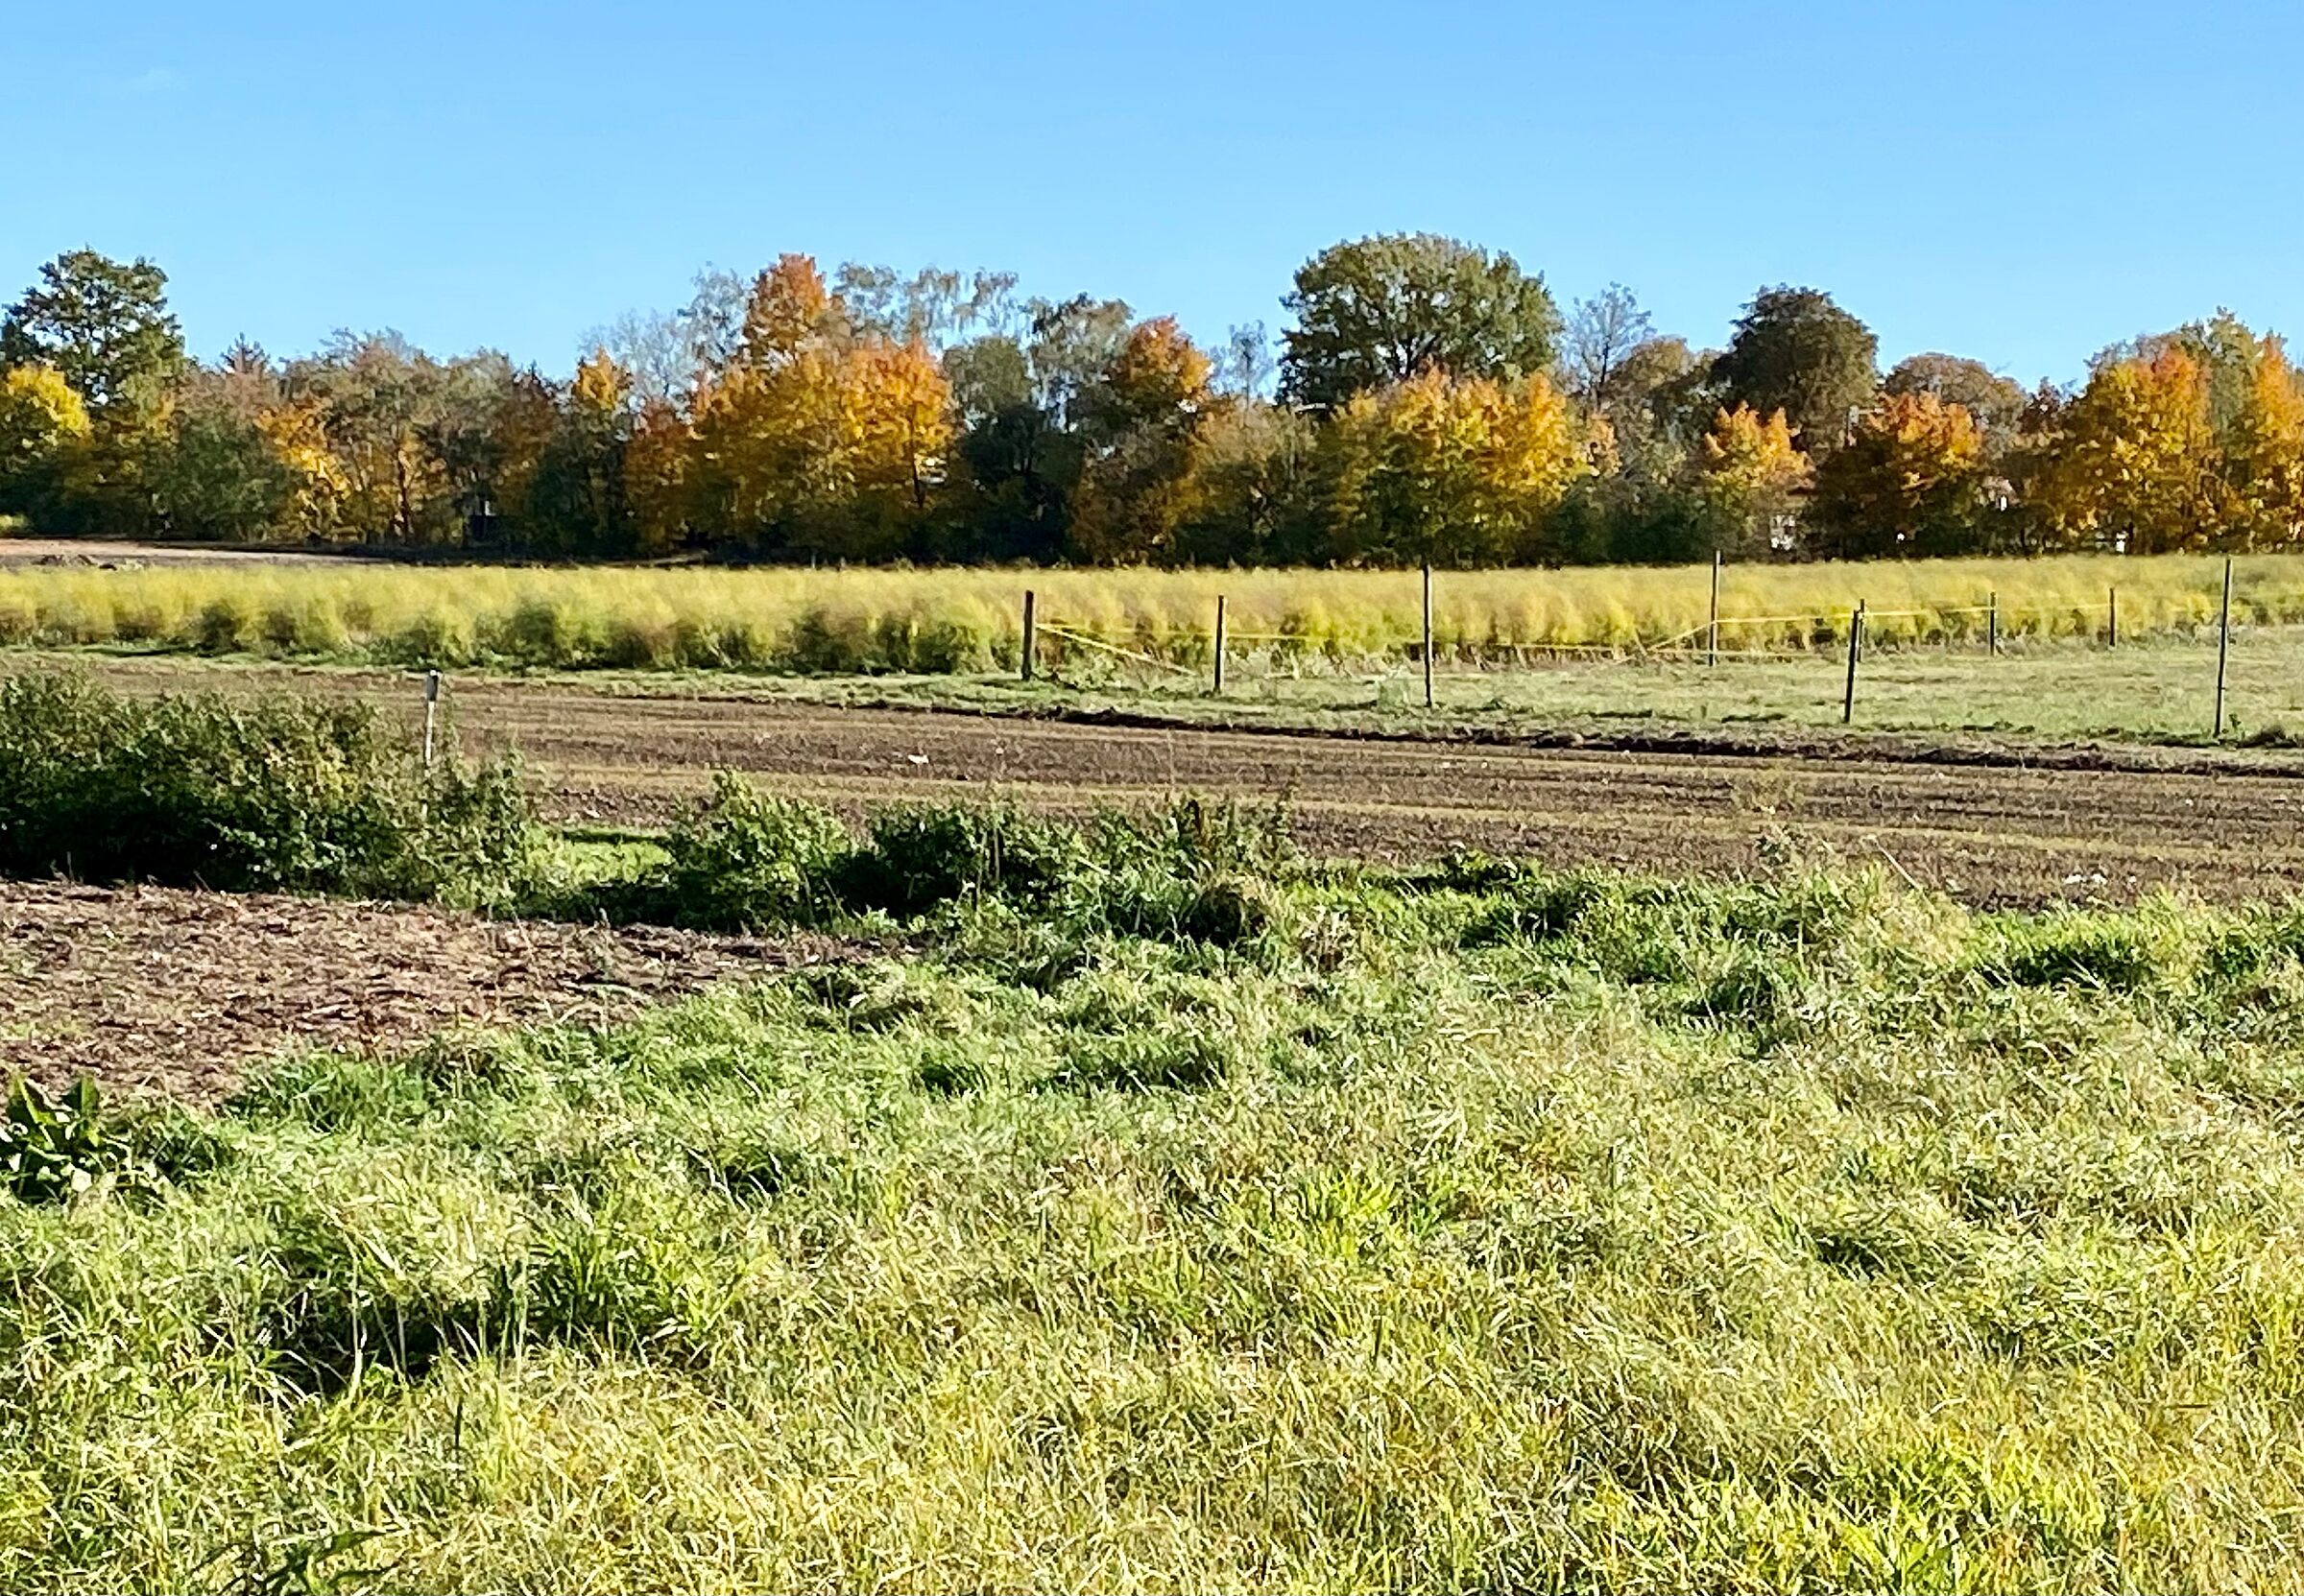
154 988
1995 825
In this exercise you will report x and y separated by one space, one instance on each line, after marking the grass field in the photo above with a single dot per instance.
1472 1229
980 1200
969 620
2159 689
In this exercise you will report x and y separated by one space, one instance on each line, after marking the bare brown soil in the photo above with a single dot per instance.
154 988
1996 824
1993 834
109 553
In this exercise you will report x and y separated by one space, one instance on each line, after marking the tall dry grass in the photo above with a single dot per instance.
960 621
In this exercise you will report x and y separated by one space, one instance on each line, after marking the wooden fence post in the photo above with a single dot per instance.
1427 635
1712 627
2224 647
431 710
1856 645
1031 634
2112 616
1219 642
1992 623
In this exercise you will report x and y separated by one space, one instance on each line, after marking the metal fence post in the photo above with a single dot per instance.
1030 634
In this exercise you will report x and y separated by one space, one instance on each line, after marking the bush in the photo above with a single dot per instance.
746 860
924 854
267 794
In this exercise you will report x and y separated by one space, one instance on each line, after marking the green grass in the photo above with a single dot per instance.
2157 691
1477 1229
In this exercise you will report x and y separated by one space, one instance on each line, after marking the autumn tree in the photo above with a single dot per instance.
789 311
1143 418
2260 456
1386 309
658 492
899 429
1797 351
1908 482
2132 466
381 402
1457 471
43 426
817 439
1751 477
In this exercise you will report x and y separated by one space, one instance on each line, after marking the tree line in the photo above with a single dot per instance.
1428 400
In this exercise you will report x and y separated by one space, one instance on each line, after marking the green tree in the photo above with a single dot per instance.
212 470
1797 351
1382 310
104 324
1249 505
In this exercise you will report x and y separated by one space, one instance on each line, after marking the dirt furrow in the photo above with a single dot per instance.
1990 829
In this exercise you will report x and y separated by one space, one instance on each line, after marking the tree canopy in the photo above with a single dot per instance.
1391 307
1433 406
1795 351
103 324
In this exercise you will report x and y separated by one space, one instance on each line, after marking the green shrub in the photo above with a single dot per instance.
747 860
921 855
279 794
1196 836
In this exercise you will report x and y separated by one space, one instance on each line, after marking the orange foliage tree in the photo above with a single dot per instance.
1908 481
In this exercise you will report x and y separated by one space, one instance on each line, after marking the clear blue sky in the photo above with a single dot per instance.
2024 183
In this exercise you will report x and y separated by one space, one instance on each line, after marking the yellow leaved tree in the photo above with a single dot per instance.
1752 477
2132 468
44 427
1457 471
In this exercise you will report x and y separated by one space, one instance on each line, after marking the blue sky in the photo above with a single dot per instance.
2024 183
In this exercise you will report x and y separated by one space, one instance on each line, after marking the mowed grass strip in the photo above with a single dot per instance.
1479 1228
